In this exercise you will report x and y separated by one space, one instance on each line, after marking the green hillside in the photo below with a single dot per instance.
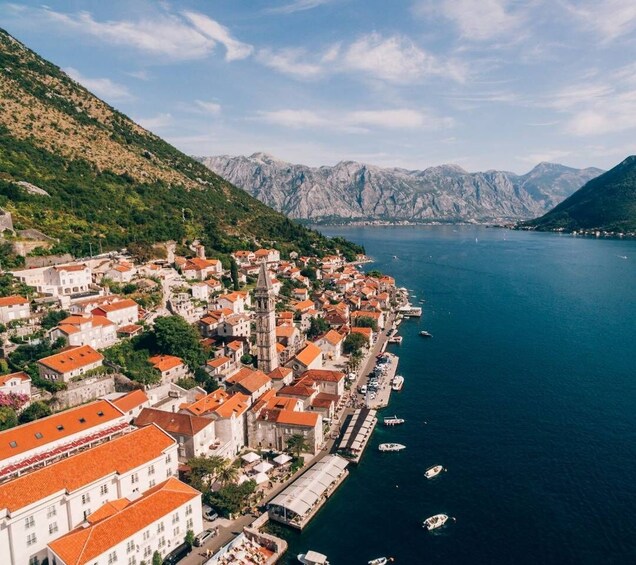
606 203
109 181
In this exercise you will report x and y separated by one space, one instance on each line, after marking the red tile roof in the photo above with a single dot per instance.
84 544
119 305
323 375
12 300
19 375
233 406
131 400
280 373
45 430
71 359
165 362
183 424
119 455
309 354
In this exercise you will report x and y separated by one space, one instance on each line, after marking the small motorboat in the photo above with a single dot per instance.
424 333
379 561
433 471
313 558
435 522
391 447
393 421
397 383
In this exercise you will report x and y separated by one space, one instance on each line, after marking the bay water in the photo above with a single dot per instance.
526 394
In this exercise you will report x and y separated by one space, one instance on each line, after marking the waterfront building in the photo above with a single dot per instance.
265 322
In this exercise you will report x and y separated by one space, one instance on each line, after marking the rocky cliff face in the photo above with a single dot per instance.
354 191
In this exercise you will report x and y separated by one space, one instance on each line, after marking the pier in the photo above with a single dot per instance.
383 394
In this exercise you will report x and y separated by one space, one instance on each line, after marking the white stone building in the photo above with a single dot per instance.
14 308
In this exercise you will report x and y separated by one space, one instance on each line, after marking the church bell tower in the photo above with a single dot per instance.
265 321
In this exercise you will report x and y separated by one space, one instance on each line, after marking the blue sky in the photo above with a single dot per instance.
486 84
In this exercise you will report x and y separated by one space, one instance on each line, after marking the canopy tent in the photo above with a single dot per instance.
250 457
260 478
263 467
242 479
282 459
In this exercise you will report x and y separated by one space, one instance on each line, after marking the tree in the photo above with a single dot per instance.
15 400
247 359
309 272
234 273
375 273
366 322
203 470
231 498
189 538
355 359
228 473
8 418
317 326
157 559
174 336
53 317
297 444
353 342
35 411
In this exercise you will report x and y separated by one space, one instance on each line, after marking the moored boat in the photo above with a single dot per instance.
433 471
424 333
397 383
379 561
393 421
312 558
391 447
435 522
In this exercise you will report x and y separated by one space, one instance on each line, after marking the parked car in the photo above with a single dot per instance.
209 513
177 554
204 536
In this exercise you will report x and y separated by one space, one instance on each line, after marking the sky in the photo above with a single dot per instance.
485 84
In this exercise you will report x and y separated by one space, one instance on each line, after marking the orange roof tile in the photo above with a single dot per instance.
131 400
280 373
19 375
285 331
280 348
184 424
83 545
70 268
294 418
72 359
236 405
119 455
364 331
45 430
207 403
304 305
278 403
165 362
254 382
108 509
12 300
333 337
218 362
119 305
323 375
309 354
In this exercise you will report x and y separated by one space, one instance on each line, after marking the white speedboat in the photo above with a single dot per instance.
379 561
424 333
433 471
435 522
393 421
397 383
391 447
313 558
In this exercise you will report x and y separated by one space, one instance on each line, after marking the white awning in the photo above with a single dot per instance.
260 478
250 457
282 459
263 467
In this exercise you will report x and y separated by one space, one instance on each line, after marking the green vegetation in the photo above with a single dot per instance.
53 317
25 358
113 184
189 538
35 411
606 203
296 444
9 285
8 418
353 343
174 336
132 359
317 326
231 498
366 322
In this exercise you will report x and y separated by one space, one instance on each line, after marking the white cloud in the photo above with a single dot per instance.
547 156
208 107
140 75
102 87
155 122
476 20
298 6
611 18
177 37
359 121
290 62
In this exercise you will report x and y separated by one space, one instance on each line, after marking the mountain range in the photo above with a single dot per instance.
351 191
84 174
606 203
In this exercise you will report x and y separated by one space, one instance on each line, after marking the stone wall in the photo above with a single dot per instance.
83 391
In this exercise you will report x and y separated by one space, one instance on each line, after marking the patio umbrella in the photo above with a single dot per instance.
282 459
250 457
263 467
260 478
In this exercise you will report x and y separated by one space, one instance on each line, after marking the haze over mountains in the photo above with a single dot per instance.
355 191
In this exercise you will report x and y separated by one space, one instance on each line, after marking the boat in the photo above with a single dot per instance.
393 421
435 522
312 558
433 471
379 561
391 447
424 333
397 383
409 311
395 339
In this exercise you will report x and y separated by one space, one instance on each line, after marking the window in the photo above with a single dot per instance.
175 532
152 483
112 557
188 509
147 551
51 511
162 541
132 560
53 527
175 517
86 498
146 535
31 539
103 490
13 444
34 560
134 478
168 459
151 470
160 527
130 546
168 473
60 427
29 522
38 435
189 524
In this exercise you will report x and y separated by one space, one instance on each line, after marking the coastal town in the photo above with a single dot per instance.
165 409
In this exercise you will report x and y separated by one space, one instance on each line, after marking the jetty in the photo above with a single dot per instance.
357 433
383 395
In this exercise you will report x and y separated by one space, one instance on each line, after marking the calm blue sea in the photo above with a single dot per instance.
526 393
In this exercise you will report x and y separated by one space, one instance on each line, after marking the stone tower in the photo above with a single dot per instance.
265 321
